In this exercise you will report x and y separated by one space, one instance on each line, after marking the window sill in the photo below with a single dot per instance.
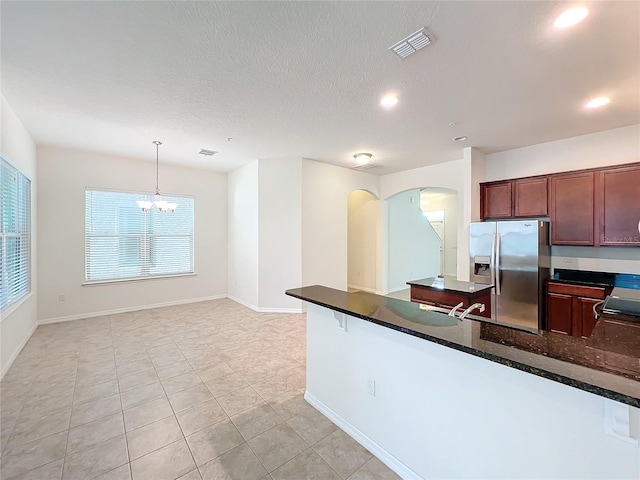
96 283
12 307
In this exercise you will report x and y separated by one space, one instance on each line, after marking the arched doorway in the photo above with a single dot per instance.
362 237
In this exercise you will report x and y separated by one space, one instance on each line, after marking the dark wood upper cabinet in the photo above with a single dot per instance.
530 197
571 202
495 200
618 200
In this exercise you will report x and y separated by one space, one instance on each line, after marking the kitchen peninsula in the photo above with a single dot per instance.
437 397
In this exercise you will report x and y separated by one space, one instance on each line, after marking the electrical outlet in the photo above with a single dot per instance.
61 298
371 386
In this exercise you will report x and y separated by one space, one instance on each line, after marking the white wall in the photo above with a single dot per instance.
440 413
279 233
362 232
325 190
242 276
64 175
414 247
610 147
17 323
446 175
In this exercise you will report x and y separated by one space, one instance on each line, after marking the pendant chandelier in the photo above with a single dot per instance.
158 203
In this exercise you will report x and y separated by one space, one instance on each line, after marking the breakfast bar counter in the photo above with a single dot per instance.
417 387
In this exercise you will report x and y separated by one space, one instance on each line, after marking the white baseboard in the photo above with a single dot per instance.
80 316
397 289
5 367
265 309
364 289
242 302
385 457
279 310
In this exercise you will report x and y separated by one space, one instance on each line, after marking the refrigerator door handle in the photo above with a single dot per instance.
497 264
492 269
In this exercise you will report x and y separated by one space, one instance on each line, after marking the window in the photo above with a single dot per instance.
122 242
15 244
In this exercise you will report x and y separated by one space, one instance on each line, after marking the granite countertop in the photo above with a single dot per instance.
606 364
579 277
450 284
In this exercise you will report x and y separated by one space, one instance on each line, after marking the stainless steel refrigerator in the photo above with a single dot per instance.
514 256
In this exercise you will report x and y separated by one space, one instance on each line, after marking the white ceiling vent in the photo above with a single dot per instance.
208 153
412 43
366 166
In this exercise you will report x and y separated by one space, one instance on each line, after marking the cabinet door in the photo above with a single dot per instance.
587 319
495 200
618 198
571 209
559 313
530 197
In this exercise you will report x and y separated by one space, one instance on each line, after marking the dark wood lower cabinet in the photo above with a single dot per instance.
559 313
570 308
587 318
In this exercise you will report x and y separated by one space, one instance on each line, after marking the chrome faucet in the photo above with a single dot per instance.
479 306
452 313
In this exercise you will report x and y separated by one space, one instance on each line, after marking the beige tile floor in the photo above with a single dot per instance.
204 391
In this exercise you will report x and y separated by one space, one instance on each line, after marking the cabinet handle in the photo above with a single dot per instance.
596 315
638 226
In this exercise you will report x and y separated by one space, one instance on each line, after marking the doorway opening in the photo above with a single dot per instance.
439 207
362 238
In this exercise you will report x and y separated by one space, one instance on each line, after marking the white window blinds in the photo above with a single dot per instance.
15 244
122 242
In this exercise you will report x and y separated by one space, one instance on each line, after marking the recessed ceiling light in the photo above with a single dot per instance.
598 102
362 158
460 139
389 101
571 17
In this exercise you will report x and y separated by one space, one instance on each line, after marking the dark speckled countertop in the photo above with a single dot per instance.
606 364
450 284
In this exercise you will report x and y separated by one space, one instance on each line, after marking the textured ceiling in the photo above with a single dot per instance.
303 79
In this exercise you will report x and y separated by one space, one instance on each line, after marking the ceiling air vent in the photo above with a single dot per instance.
412 43
208 153
366 166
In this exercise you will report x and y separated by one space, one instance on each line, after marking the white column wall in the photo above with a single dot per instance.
242 275
18 322
64 175
279 233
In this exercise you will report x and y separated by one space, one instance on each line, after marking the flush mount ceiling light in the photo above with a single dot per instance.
158 203
571 17
412 43
460 139
598 102
362 158
389 101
